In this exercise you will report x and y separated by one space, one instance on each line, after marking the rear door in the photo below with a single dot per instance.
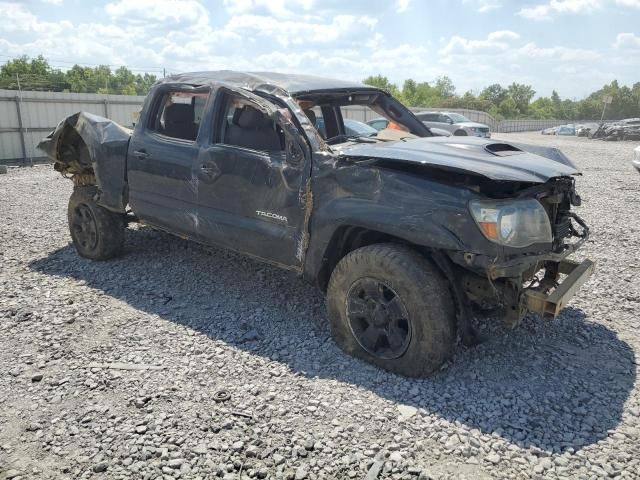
252 179
161 158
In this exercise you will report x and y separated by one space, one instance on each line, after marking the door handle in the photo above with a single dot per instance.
211 171
141 154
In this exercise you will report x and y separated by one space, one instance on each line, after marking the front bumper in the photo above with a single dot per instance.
549 304
480 134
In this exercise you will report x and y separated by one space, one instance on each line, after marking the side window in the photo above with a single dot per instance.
179 114
243 124
445 119
317 119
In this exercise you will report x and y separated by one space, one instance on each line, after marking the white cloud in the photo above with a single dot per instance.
299 32
169 11
627 41
545 11
16 18
495 42
557 54
276 8
53 2
402 5
483 6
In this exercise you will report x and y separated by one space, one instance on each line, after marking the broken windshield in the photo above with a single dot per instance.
341 116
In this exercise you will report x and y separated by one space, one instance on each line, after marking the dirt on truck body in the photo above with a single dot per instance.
403 230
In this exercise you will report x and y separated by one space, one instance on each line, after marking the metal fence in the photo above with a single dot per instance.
26 117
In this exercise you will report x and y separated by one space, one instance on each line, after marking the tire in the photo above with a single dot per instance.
460 133
421 290
97 233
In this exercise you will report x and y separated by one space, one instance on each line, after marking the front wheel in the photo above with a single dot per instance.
460 133
389 306
97 233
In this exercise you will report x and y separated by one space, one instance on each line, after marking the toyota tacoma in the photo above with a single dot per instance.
405 232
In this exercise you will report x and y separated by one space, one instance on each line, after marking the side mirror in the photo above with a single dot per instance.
449 121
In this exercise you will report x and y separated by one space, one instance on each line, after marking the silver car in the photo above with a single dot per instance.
455 123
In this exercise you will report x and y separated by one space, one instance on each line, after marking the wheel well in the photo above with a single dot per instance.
460 133
347 239
73 157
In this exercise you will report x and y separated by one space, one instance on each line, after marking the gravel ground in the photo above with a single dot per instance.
109 370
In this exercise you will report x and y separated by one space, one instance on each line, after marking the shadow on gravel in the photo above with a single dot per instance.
554 386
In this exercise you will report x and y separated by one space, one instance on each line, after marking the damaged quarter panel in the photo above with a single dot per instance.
84 143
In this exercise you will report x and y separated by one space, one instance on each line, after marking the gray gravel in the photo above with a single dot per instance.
109 370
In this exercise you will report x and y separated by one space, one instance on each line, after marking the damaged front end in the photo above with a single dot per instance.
535 278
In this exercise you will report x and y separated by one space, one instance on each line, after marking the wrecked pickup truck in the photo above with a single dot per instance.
404 231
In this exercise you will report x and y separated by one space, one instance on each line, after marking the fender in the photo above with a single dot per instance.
83 144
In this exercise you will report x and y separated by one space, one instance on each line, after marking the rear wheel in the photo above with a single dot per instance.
97 233
390 306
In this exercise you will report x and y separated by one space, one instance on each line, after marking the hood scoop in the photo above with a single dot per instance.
502 149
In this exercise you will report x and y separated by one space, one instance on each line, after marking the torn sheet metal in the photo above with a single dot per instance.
84 142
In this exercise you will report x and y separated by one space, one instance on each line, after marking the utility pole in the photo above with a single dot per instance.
21 124
607 100
164 72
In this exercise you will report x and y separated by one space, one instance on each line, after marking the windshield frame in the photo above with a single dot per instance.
378 100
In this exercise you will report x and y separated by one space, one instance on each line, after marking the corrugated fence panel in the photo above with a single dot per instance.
41 112
10 146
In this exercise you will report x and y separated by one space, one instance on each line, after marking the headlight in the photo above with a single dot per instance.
513 223
474 129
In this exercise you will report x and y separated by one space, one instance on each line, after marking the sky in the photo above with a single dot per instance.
572 46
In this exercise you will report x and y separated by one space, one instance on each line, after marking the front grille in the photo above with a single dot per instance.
483 129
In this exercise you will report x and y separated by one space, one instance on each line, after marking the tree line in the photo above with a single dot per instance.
37 74
516 100
512 101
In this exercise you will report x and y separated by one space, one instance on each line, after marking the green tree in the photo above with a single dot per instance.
508 108
494 94
444 87
383 82
418 94
521 96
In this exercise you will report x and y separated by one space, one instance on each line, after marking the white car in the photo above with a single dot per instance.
455 123
636 158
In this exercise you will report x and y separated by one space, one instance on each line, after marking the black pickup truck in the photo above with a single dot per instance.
406 232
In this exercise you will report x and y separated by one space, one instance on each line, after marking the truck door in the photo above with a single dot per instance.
161 157
252 180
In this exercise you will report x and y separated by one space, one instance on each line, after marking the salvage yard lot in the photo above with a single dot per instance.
109 370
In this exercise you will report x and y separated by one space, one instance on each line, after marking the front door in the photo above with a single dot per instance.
161 158
251 192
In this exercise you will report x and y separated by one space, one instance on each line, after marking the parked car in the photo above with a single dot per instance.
636 158
354 127
381 124
566 130
402 230
454 123
378 123
549 131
